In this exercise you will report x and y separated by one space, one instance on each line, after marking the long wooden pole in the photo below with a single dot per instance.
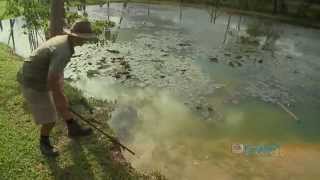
112 139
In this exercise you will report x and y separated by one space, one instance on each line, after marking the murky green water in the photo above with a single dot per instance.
172 137
186 132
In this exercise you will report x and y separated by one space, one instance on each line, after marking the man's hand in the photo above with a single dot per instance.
55 85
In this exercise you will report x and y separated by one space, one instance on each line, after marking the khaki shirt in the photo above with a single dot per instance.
51 57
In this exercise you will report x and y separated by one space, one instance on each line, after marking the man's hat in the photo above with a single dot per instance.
81 29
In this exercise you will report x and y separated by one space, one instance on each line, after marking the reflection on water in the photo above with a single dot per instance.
11 36
171 138
22 40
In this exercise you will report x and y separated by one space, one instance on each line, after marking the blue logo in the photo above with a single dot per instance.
259 150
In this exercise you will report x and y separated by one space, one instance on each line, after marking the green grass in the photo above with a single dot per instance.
3 6
87 158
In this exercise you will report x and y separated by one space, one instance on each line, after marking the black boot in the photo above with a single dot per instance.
46 148
75 129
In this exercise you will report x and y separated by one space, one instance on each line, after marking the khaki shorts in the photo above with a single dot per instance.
41 105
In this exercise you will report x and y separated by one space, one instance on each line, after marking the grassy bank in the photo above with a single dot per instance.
87 158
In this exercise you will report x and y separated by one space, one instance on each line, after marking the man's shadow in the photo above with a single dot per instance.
78 166
90 158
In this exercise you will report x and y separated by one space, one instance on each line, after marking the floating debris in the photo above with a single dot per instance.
113 51
238 57
238 63
214 59
231 64
184 44
210 109
92 73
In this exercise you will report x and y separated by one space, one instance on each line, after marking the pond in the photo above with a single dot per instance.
189 85
20 39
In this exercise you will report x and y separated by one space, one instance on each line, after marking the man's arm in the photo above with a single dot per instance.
55 85
59 57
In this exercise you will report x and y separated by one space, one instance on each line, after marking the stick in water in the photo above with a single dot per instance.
288 111
113 139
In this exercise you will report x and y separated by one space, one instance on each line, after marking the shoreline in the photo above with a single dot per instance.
20 132
281 18
292 20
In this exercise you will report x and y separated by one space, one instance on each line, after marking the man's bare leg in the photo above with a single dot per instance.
45 129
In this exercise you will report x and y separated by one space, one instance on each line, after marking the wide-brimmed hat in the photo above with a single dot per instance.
81 29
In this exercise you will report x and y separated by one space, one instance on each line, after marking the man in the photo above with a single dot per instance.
41 79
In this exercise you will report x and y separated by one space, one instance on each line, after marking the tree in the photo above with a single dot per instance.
280 6
304 8
57 17
244 4
283 7
275 6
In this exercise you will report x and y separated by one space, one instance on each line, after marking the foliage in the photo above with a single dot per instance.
79 2
71 17
2 9
35 12
99 25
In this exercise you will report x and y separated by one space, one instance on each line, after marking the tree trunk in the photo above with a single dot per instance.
283 7
275 6
57 17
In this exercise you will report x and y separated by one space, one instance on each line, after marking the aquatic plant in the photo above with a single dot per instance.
71 17
100 25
